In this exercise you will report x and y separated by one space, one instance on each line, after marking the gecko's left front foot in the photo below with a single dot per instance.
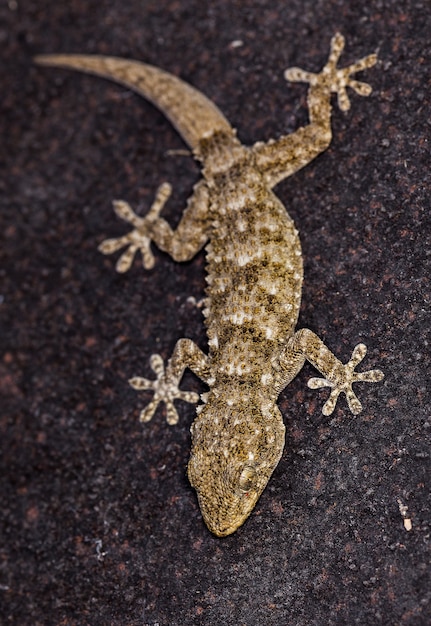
333 79
165 388
343 381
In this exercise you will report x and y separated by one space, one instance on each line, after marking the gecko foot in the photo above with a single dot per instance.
333 79
140 237
343 382
165 388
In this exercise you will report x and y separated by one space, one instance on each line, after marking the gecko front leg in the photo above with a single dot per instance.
338 376
165 386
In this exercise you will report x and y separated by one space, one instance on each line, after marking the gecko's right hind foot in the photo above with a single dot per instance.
140 237
165 389
334 79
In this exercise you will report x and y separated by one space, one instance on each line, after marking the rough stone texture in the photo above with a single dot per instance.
98 522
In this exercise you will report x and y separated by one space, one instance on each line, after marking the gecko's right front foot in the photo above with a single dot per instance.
140 237
336 80
165 388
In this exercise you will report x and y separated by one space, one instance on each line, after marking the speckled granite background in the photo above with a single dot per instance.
98 522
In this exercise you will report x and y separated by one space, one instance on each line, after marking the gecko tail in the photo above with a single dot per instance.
191 113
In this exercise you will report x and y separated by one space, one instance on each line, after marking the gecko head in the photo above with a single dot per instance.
231 462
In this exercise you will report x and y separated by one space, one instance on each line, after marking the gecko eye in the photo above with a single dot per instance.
247 478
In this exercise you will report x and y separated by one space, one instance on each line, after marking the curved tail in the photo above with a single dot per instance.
193 114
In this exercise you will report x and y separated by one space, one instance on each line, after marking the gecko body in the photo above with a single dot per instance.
254 278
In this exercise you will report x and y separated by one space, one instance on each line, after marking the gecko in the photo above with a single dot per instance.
254 277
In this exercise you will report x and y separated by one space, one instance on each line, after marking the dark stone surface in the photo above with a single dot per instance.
98 522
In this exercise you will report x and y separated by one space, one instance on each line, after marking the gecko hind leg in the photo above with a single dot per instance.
165 386
139 238
334 79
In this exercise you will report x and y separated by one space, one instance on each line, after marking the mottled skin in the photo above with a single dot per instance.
254 278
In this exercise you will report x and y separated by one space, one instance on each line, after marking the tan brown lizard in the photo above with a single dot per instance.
254 280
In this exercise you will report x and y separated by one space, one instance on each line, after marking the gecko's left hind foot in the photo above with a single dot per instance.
165 388
334 79
343 384
140 237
